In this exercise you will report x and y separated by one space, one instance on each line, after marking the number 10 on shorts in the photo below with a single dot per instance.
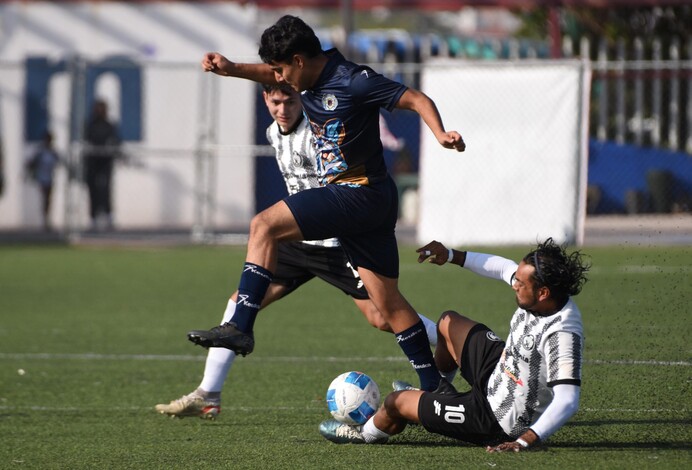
455 414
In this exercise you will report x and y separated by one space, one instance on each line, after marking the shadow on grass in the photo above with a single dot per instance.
420 438
412 442
588 446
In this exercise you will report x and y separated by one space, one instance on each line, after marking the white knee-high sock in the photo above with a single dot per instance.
219 360
370 432
430 329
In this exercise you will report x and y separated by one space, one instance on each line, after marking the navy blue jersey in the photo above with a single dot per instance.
343 108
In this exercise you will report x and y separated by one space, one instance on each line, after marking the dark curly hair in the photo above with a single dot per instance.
564 274
288 36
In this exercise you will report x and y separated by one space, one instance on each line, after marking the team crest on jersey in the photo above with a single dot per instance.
528 342
297 160
329 102
492 336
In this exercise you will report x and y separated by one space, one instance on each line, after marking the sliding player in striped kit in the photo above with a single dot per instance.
522 391
298 262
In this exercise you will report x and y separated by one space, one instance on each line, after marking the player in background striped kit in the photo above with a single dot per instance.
522 391
298 262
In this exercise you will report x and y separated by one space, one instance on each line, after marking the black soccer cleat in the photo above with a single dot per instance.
224 336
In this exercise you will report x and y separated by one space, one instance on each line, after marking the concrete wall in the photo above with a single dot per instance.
179 105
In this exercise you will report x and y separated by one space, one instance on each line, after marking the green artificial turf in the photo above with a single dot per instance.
92 338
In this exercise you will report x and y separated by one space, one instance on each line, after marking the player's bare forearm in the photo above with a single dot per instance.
220 65
419 102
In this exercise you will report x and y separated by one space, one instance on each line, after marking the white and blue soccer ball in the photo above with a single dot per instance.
353 397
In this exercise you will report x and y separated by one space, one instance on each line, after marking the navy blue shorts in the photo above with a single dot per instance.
362 217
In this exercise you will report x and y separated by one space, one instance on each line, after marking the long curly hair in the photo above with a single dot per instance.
561 272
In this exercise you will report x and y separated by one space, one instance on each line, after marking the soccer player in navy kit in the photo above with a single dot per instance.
358 202
297 262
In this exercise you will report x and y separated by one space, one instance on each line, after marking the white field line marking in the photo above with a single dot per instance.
147 408
199 358
195 358
632 362
252 409
630 410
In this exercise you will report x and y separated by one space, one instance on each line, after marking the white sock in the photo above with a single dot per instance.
370 432
430 329
219 360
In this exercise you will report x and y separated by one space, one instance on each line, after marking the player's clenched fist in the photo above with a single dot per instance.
453 140
215 62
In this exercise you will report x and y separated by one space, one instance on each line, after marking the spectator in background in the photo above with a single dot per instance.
41 169
102 148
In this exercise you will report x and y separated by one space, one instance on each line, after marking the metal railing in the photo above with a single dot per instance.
641 92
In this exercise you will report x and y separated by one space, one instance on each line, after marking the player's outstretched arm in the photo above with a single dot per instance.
220 65
419 102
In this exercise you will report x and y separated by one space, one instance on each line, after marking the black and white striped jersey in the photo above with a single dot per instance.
540 352
296 156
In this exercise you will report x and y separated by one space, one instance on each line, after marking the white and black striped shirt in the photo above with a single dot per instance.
297 159
540 352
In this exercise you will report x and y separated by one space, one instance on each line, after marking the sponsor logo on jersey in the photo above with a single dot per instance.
513 377
329 102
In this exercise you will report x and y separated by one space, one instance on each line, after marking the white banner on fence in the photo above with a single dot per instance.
523 175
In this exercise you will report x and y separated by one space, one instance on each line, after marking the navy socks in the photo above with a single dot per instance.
415 344
253 286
